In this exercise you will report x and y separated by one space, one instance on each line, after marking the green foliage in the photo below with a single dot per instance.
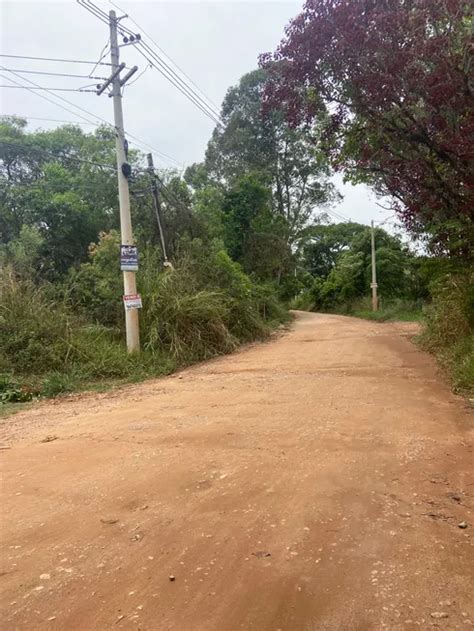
35 329
40 335
394 310
449 328
12 391
60 338
189 324
24 252
55 383
284 158
325 243
243 203
451 314
95 287
66 202
208 208
206 306
340 257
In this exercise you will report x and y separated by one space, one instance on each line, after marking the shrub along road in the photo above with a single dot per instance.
318 481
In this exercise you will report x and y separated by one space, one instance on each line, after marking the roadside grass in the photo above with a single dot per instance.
449 329
390 314
397 310
48 348
458 361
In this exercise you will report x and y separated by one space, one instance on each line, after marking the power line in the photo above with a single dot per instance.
102 54
102 16
27 147
142 30
50 120
337 215
25 87
176 81
158 63
57 96
69 61
55 74
42 96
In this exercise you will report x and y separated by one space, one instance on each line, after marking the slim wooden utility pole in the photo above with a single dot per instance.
373 284
157 205
129 278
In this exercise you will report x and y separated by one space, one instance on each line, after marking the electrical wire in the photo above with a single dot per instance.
57 96
96 12
25 87
135 80
55 74
50 120
160 64
101 15
69 61
142 30
337 215
42 96
102 54
27 147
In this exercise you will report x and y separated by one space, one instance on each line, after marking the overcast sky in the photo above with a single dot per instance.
215 43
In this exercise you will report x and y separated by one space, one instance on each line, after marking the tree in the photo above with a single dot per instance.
350 277
282 157
339 258
60 183
325 243
396 79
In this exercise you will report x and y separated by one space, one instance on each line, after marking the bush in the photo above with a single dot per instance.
189 325
95 288
397 309
204 307
40 335
450 316
60 338
55 383
11 391
449 327
35 330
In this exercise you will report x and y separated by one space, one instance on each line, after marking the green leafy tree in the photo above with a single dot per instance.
350 277
284 158
325 243
60 183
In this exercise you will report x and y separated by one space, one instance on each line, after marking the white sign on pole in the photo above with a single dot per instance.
132 301
128 258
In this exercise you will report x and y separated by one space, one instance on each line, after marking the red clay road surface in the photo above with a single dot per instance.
314 482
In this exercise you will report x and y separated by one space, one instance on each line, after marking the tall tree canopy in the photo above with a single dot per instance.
396 79
58 193
59 183
281 156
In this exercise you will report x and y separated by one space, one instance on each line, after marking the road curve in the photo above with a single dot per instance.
314 482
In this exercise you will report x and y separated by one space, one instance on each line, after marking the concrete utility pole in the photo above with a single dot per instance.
373 284
129 279
157 205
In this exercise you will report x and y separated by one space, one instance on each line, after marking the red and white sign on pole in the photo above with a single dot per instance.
132 301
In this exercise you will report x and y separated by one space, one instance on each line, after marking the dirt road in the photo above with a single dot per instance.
315 482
